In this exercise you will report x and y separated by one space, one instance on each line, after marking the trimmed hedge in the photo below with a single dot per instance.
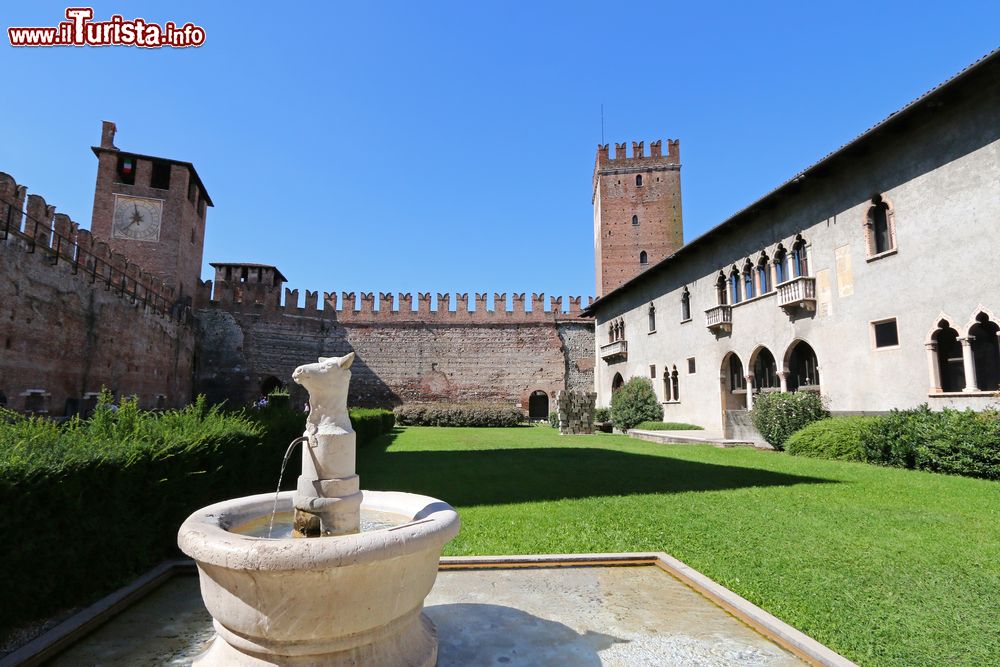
369 423
89 505
635 402
959 442
778 415
834 438
457 414
668 426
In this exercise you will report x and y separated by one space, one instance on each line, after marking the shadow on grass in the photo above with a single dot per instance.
502 476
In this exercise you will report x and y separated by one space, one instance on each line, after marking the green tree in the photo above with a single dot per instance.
634 403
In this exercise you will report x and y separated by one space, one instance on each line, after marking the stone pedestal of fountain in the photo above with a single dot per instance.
342 598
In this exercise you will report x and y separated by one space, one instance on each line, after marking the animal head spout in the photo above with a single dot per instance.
328 374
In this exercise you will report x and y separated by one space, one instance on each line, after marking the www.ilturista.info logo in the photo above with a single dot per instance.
80 30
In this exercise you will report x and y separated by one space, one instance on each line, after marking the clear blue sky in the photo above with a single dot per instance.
431 146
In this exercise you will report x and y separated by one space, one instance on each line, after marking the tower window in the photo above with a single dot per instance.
160 178
635 220
643 257
638 181
126 170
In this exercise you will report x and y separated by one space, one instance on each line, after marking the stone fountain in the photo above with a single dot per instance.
332 592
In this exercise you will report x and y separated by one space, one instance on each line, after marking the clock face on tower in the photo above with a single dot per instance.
137 218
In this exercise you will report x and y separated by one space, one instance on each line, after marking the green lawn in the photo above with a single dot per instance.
886 566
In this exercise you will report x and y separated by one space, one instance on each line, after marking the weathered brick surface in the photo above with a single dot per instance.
176 257
402 355
68 334
656 204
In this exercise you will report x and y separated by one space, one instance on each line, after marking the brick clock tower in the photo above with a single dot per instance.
152 210
637 210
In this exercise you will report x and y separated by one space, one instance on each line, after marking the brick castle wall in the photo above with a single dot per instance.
497 355
77 317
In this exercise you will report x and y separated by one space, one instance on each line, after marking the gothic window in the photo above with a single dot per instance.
643 258
652 318
617 382
635 220
667 388
949 357
985 352
675 384
685 305
720 289
763 275
734 286
748 287
881 231
638 180
800 258
780 265
737 379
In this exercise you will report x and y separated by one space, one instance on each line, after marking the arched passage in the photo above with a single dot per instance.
538 405
764 369
270 384
617 382
802 366
733 383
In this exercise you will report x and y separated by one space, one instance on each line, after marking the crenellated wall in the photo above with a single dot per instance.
409 347
76 317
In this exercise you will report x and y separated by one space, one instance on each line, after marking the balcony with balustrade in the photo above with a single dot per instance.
614 352
719 319
798 293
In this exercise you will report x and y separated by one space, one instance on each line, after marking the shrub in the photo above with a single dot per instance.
833 438
779 414
668 426
554 419
95 502
370 423
949 441
457 414
634 403
602 415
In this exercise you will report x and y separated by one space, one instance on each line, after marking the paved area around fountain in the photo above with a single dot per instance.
591 615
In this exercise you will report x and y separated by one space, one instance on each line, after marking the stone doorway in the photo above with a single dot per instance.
538 406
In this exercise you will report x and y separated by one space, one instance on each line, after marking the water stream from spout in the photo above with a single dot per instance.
284 462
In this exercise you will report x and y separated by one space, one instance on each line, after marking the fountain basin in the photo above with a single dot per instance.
341 600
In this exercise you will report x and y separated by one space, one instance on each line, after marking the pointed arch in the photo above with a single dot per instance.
802 366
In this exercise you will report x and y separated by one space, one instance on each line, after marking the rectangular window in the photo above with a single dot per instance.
126 170
691 366
652 371
160 178
885 333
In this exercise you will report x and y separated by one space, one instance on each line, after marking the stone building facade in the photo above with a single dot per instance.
866 277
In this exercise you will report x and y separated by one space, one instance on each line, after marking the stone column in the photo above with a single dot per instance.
969 363
749 379
783 380
934 367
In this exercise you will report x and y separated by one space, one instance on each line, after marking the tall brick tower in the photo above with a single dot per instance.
637 210
152 210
